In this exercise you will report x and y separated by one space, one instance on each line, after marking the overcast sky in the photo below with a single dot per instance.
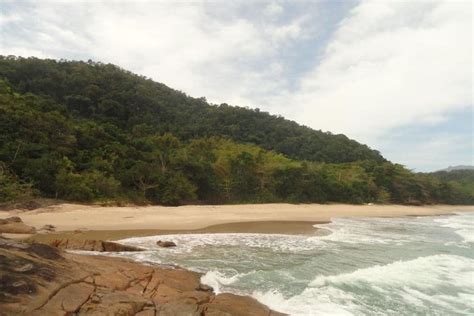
396 75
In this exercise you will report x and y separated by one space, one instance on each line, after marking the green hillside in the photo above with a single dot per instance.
94 132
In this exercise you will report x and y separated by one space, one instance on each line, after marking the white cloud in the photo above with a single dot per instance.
390 64
273 10
203 49
386 64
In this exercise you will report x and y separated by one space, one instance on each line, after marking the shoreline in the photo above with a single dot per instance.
70 217
81 222
265 227
270 218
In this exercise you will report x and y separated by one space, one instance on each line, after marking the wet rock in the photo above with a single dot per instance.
165 243
204 288
116 247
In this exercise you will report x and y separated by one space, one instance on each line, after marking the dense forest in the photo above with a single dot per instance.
86 131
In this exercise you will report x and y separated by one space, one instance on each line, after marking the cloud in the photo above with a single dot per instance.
364 68
390 63
204 49
434 146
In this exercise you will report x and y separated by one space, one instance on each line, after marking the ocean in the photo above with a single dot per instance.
351 266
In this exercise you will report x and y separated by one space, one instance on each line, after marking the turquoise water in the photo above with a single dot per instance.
361 266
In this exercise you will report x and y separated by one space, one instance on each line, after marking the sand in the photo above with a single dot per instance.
70 217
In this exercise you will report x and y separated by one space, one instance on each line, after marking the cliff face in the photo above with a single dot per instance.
37 279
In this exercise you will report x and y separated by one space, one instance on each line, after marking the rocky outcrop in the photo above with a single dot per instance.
92 245
14 225
47 229
165 244
37 279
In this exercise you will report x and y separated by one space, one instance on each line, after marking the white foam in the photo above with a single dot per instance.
216 280
414 281
187 242
371 230
423 272
443 283
330 301
462 224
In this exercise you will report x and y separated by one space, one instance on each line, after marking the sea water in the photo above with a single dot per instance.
358 266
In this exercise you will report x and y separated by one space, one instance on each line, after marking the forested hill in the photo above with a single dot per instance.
105 93
93 132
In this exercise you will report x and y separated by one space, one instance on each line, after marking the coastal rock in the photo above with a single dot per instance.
92 245
38 279
165 243
14 225
47 228
230 304
14 219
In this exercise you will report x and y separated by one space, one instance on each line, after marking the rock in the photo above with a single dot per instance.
41 280
17 228
204 288
235 305
116 247
44 251
14 225
48 228
165 244
179 308
14 219
92 245
70 298
25 268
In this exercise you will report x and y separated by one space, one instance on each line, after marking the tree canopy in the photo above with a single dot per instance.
94 132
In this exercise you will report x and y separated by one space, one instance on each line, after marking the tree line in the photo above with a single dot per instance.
93 132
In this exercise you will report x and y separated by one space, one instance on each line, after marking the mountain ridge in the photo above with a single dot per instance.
130 98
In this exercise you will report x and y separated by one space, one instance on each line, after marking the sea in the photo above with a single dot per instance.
351 266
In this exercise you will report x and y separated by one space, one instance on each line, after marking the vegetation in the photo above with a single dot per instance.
93 132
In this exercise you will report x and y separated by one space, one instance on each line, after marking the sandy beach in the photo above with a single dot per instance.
217 218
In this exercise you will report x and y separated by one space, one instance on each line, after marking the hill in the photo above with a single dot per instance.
107 94
460 167
94 132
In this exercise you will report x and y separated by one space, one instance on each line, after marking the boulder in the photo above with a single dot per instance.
48 228
165 243
14 219
111 246
14 225
92 245
37 280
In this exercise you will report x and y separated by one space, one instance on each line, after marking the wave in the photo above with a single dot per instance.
216 280
462 224
375 231
441 281
188 242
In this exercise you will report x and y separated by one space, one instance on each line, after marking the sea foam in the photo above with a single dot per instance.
364 266
417 282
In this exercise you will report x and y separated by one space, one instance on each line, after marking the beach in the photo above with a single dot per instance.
265 218
295 259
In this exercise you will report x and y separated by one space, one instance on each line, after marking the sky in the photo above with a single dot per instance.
395 75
